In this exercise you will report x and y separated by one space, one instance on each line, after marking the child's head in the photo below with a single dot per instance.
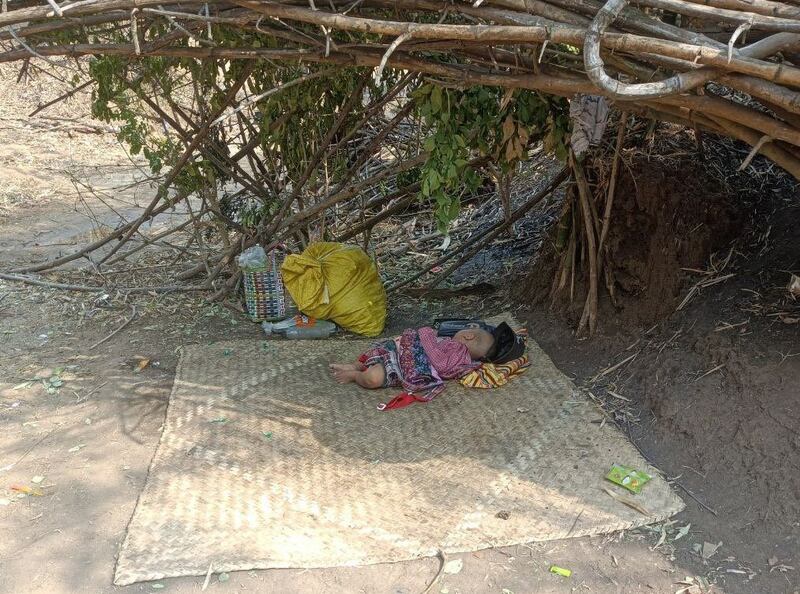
477 340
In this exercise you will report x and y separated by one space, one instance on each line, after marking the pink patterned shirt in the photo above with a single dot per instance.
449 358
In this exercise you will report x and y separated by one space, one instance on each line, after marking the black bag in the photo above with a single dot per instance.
449 327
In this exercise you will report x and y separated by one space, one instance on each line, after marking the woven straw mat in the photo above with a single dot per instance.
265 462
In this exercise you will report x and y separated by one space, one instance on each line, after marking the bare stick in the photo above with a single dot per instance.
613 368
483 239
271 92
89 289
442 561
61 98
589 316
693 496
115 332
182 161
612 184
56 7
395 44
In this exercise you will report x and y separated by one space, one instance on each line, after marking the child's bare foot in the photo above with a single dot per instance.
370 378
345 367
345 376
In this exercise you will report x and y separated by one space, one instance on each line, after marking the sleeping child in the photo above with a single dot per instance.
419 361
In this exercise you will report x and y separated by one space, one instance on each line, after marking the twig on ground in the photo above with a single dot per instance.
29 450
619 396
442 560
627 501
90 289
702 285
693 496
710 371
115 332
208 577
613 368
85 397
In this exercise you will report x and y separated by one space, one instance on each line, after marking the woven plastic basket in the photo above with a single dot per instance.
264 293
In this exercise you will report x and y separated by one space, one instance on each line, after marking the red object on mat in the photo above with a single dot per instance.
402 400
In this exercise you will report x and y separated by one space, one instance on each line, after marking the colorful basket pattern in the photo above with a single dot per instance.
264 294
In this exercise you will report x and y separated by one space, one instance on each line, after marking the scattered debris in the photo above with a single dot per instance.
143 364
453 566
267 434
219 420
26 490
53 382
37 479
223 577
776 565
503 515
618 396
562 571
713 276
613 368
710 371
794 286
707 549
692 585
628 477
76 448
626 501
208 577
683 531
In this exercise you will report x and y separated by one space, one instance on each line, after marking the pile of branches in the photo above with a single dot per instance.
728 67
658 55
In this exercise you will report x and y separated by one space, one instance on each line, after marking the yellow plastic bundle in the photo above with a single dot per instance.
333 281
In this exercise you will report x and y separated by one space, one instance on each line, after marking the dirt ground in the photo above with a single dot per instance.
81 418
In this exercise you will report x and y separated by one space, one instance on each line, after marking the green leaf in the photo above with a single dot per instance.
436 99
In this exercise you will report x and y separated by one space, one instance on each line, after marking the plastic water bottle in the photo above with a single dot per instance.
282 326
321 329
300 327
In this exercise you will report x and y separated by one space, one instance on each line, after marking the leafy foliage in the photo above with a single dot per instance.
292 124
486 120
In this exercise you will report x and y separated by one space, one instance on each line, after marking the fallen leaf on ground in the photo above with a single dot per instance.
454 566
682 532
142 364
794 285
692 586
709 549
27 490
782 568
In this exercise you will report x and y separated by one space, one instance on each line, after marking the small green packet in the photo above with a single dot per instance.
628 477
